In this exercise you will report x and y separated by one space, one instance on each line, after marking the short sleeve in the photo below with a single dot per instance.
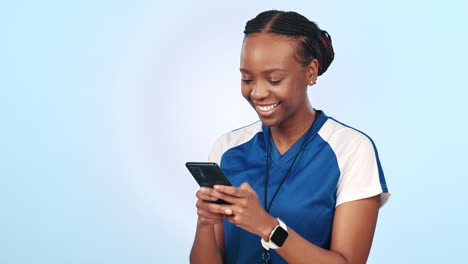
232 139
216 152
362 175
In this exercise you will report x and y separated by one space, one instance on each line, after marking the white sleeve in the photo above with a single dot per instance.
232 139
216 152
361 174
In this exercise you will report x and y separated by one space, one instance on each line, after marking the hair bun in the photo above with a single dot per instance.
326 48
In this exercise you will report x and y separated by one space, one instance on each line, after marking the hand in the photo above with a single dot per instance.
245 210
206 213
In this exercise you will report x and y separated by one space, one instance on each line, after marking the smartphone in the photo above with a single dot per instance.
208 174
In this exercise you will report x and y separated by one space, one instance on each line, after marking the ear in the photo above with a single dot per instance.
312 72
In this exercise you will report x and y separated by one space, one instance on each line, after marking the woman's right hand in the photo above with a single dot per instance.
205 215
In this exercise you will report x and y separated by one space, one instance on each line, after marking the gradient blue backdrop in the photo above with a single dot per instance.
102 103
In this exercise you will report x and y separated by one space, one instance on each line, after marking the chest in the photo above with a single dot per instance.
306 200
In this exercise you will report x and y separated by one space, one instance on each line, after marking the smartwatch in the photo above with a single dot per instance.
277 237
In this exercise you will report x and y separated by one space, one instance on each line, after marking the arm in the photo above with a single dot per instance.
208 246
353 228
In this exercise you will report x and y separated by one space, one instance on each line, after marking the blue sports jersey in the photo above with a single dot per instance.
338 164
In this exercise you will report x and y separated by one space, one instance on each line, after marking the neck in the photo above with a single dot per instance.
285 135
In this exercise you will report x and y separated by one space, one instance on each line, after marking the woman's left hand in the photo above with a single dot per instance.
245 210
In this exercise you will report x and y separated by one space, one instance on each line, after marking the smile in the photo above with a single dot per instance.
267 108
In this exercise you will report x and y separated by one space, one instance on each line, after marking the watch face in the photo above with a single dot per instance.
279 236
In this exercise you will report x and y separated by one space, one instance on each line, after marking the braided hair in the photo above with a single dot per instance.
314 42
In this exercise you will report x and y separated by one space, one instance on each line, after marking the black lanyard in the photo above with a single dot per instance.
266 254
267 165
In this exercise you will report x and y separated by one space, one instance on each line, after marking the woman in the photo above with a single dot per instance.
309 187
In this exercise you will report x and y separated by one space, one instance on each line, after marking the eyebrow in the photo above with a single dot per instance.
265 71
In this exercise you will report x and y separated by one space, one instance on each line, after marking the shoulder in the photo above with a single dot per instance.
343 138
240 135
233 139
361 174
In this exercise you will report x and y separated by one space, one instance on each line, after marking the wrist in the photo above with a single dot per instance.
203 225
268 228
277 237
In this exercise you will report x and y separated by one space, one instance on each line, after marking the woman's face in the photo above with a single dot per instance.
273 82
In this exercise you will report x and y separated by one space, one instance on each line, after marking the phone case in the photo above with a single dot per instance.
208 174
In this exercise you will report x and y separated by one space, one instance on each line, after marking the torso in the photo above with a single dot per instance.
307 199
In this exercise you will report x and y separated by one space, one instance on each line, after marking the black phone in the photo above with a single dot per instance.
208 174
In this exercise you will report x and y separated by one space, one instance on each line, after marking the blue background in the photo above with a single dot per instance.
102 103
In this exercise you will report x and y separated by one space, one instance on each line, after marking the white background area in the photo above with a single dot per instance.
103 102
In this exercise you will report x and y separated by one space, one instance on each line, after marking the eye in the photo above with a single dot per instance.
246 81
275 82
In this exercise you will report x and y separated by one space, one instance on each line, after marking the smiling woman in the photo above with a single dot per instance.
274 83
306 188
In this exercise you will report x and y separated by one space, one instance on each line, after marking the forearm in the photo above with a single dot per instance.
205 249
296 249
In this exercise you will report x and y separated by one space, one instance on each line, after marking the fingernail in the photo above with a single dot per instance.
213 198
217 187
228 211
203 190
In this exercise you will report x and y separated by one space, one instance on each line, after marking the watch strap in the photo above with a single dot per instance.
270 244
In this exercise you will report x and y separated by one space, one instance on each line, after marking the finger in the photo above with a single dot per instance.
228 198
215 208
215 195
209 215
211 210
209 191
231 219
231 190
205 196
206 205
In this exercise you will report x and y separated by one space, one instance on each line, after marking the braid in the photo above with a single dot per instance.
259 23
314 42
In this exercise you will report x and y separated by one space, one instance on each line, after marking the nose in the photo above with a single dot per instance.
259 91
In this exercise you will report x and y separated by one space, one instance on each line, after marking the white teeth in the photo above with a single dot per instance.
267 108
